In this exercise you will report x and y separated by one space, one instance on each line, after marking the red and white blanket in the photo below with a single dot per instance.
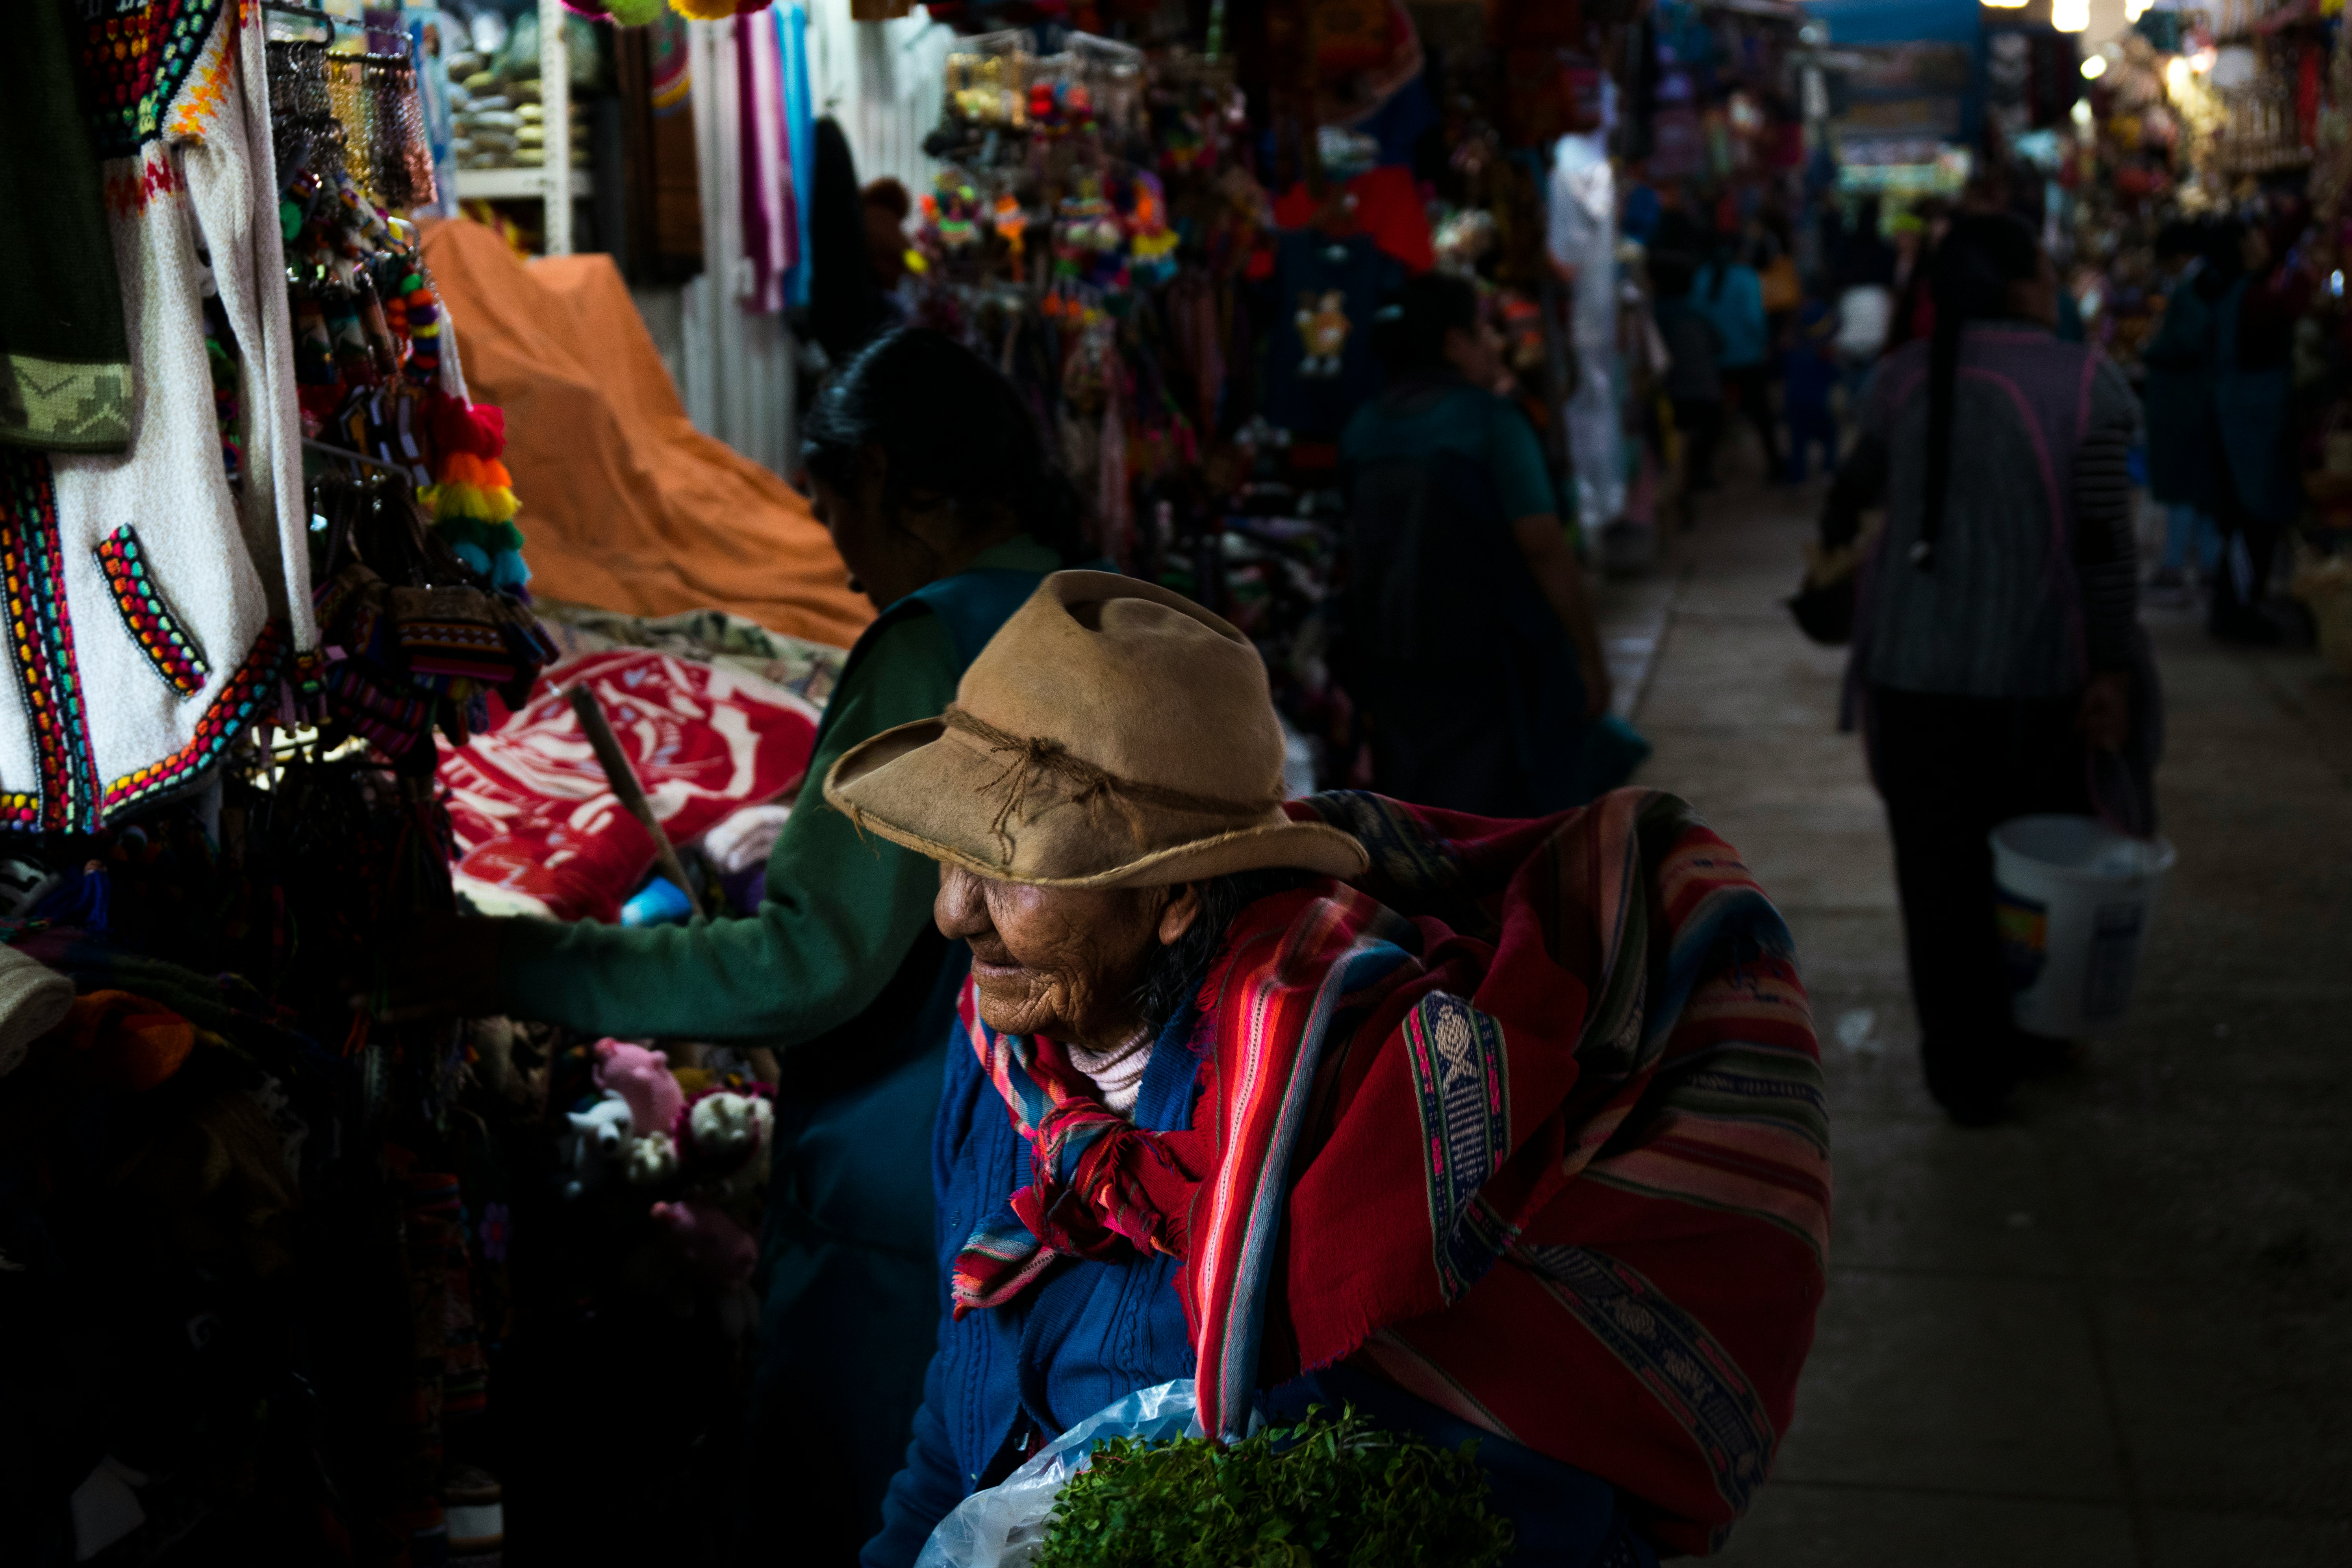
537 826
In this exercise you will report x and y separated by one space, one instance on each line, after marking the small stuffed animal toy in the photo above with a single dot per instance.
599 1135
727 1128
642 1078
652 1160
714 1245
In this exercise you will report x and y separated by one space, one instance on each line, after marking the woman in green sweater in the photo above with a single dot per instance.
928 471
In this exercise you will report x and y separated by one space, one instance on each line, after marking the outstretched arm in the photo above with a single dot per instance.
841 911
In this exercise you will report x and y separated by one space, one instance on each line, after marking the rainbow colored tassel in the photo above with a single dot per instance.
473 497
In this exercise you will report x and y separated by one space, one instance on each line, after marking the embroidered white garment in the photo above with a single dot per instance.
1116 1071
157 603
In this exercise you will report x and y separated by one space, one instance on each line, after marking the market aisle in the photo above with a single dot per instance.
2117 1328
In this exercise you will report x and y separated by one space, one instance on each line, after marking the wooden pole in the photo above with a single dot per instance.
631 794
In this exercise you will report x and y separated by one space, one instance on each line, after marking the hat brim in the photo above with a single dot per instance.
914 786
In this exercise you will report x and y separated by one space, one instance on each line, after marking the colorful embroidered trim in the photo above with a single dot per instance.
207 84
1691 1375
41 639
1462 1077
243 698
173 652
135 61
129 188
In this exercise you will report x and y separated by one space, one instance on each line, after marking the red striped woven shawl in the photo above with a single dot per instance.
1528 1121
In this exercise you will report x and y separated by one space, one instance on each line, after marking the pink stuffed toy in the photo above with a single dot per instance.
714 1245
642 1077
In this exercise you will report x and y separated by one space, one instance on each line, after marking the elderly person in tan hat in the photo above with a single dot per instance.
1504 1130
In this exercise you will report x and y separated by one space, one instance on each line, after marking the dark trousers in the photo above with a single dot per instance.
1950 769
1701 423
2243 578
1811 423
1753 382
849 1279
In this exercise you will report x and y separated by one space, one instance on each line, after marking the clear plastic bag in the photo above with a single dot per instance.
1004 1526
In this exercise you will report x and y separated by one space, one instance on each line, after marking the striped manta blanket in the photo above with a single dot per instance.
1528 1121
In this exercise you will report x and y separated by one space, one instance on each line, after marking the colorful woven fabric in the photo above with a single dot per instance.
149 621
1528 1123
1110 1183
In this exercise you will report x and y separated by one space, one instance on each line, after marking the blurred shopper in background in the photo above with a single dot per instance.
2176 398
2253 391
1694 382
1916 233
1472 649
1998 668
1865 301
1809 372
1730 295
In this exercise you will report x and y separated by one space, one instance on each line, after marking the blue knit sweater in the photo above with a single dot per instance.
1091 1333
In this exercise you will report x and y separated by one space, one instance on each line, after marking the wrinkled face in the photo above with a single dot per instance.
1059 961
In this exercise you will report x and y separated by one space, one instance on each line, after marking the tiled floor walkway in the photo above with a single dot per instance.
2117 1328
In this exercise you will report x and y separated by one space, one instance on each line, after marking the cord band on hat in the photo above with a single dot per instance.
1034 754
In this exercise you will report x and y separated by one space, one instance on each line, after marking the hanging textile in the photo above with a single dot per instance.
800 141
1583 236
160 589
432 37
662 239
65 370
765 174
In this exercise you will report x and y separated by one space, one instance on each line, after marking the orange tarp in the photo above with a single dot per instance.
625 505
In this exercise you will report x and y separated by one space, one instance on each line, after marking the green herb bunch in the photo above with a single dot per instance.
1326 1493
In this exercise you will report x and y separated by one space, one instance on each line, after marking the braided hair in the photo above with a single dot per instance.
1974 266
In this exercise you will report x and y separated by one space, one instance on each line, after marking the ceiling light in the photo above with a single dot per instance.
2093 66
2070 16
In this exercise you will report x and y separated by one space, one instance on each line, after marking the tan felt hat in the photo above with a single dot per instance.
1112 734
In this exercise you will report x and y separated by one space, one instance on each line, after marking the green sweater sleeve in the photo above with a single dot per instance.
841 908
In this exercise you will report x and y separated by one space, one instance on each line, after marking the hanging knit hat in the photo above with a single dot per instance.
34 999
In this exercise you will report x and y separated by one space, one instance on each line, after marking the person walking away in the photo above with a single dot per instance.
1732 296
1809 372
2177 401
1694 382
1998 668
1916 235
1866 301
2254 343
927 468
1471 646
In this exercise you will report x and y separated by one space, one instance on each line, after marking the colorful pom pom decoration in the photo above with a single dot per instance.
472 495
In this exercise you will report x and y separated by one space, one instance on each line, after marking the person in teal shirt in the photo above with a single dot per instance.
1471 646
928 470
1730 295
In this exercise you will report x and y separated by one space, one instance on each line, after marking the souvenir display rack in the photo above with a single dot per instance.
280 1225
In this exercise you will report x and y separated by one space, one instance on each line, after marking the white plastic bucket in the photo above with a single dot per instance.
2073 898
